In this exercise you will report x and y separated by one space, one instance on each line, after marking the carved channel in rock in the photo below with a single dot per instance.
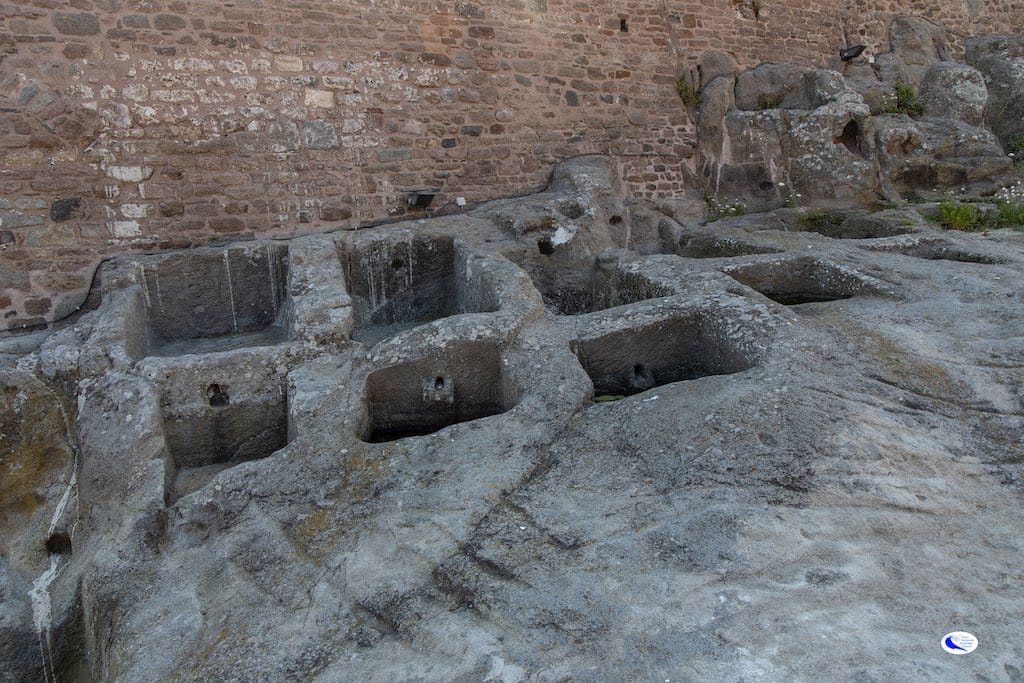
857 226
215 430
800 281
942 251
464 382
687 347
693 245
216 299
398 284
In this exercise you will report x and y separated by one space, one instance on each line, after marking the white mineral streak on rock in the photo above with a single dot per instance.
231 293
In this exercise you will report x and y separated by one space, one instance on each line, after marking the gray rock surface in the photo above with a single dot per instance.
918 44
506 446
1001 60
780 134
929 157
954 90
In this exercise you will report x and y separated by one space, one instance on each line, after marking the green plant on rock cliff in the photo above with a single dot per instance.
1010 215
904 101
688 87
954 215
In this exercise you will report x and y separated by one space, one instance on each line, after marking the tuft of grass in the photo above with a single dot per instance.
905 102
688 87
764 102
956 216
819 219
1009 215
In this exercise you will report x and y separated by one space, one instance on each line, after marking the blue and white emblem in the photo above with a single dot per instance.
959 643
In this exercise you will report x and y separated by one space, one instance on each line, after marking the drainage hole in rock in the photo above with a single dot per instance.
206 438
217 396
631 361
462 384
58 543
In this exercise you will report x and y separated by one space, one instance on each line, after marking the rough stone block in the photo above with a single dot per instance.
65 209
168 22
284 136
77 23
320 135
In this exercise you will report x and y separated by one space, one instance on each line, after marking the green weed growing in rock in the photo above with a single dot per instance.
688 88
1010 215
905 101
956 216
819 219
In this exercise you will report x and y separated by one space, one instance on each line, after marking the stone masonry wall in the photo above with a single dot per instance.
156 124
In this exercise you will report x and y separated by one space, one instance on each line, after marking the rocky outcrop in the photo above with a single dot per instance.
1001 60
931 156
956 91
467 448
907 125
916 44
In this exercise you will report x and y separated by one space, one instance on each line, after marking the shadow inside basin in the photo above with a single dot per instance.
693 245
686 347
216 299
465 382
574 287
218 431
800 281
398 284
852 226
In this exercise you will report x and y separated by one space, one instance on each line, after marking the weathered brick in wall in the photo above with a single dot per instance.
154 124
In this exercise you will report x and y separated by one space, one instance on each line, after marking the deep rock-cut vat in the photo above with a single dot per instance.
215 430
686 347
592 287
216 299
464 382
397 284
800 281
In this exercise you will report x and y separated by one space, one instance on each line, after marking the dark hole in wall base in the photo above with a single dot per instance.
545 246
217 395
